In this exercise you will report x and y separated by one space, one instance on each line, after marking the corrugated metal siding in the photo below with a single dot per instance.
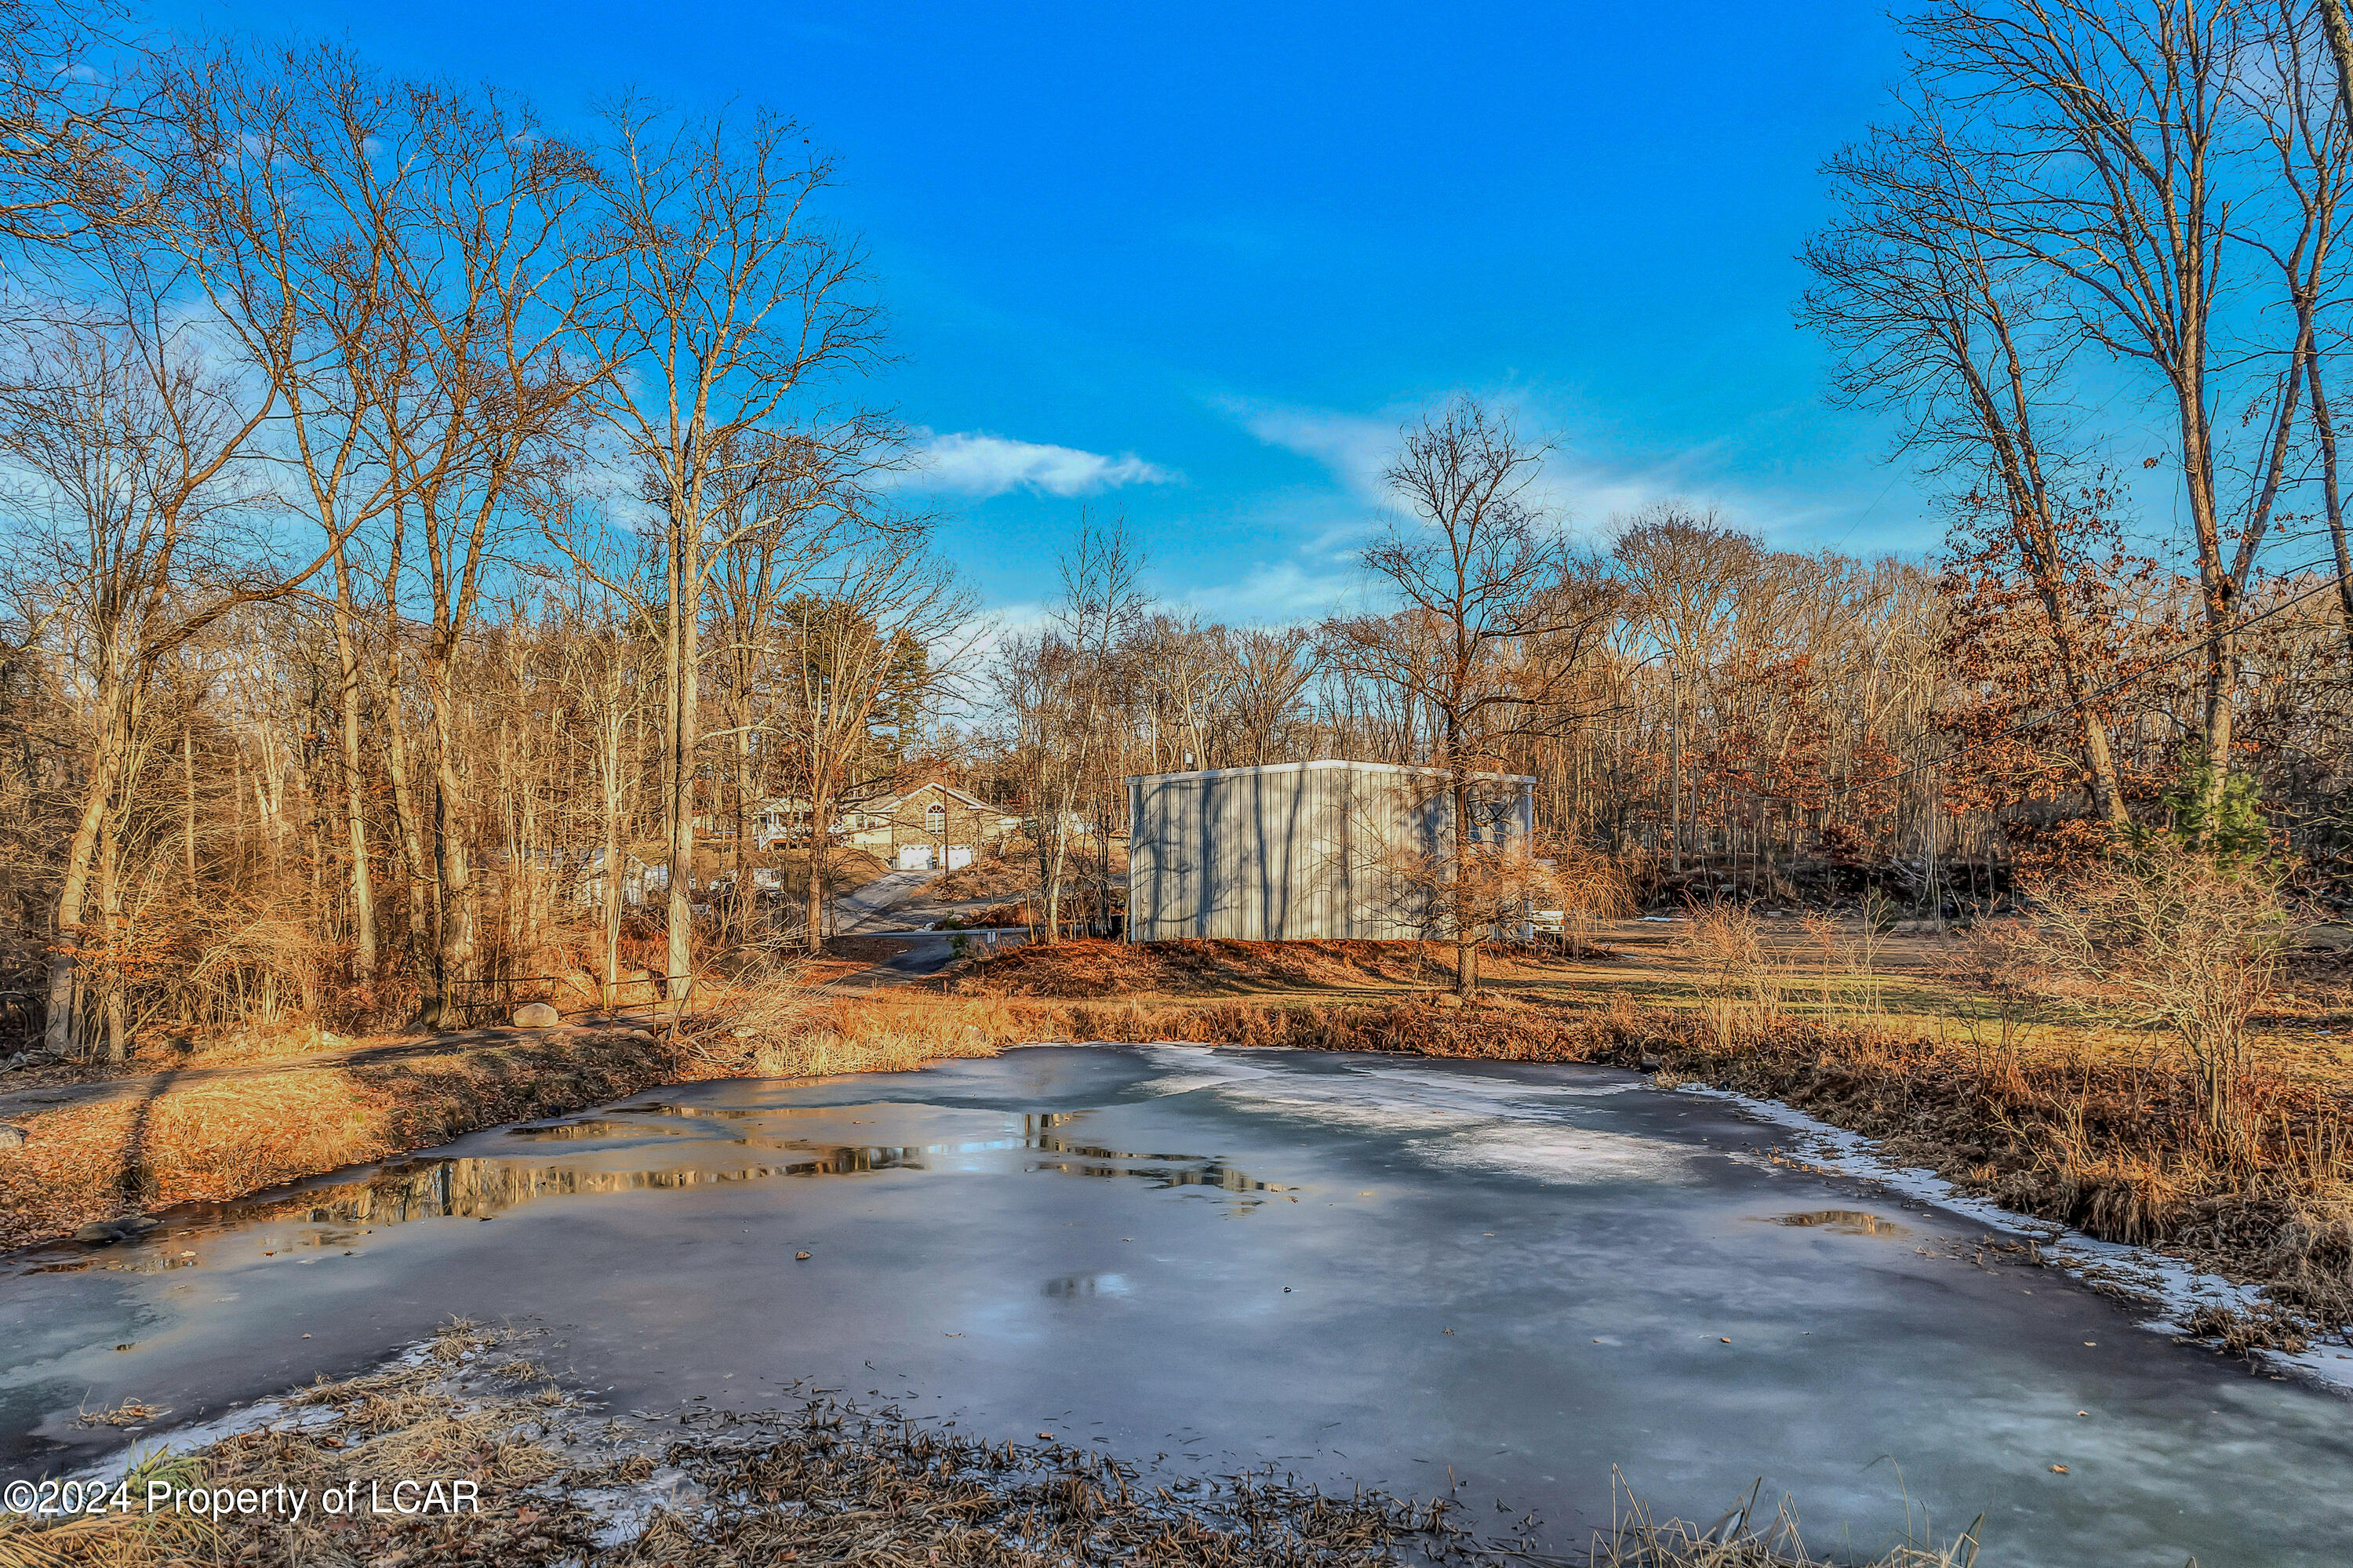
1279 853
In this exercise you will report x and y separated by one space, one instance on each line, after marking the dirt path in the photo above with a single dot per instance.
878 907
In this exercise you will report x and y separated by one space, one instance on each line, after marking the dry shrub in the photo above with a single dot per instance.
2121 1193
1739 977
2160 937
2309 1261
1593 886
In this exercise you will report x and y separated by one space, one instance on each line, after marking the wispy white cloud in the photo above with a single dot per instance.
1354 448
1280 593
1584 489
970 462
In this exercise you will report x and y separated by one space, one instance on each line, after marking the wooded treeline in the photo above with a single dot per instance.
2091 270
417 513
421 518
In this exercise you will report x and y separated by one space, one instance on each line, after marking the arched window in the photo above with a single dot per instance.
935 818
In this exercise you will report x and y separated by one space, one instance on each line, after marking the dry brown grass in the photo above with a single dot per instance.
828 1481
220 1138
1087 970
1638 1539
462 1409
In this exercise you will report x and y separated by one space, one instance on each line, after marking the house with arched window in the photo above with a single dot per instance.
932 827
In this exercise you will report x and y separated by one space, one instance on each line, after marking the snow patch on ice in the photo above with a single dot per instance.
1558 1154
2177 1288
1469 1121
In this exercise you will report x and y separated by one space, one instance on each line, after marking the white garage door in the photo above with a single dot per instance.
914 857
959 856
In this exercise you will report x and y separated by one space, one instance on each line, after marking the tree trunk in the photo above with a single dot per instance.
188 803
354 787
1675 774
2108 798
819 812
1466 939
454 955
2324 430
2218 595
110 912
422 939
2340 44
1051 878
73 893
685 628
745 899
612 770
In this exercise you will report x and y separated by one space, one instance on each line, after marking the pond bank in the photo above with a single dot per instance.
2109 1149
1364 1268
550 1476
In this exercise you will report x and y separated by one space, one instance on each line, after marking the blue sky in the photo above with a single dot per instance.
1216 253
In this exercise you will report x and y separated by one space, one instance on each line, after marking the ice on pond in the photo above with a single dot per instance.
1361 1268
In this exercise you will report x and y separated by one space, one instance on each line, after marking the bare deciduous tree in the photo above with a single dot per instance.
138 447
77 129
1060 686
2104 135
727 306
1479 567
1966 345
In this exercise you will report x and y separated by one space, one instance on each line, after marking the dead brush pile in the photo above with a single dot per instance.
1086 969
1006 878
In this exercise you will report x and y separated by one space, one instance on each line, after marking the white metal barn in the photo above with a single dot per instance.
1301 850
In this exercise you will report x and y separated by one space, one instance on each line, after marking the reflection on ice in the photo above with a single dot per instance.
606 1155
1844 1221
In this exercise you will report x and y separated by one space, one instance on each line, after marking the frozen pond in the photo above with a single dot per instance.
1374 1269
